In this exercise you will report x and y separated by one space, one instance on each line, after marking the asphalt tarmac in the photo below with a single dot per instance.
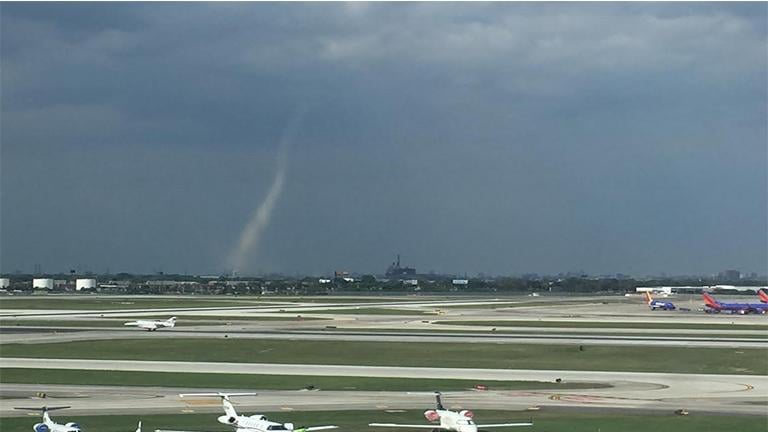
34 335
735 394
742 394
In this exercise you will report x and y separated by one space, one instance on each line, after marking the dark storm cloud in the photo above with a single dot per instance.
500 138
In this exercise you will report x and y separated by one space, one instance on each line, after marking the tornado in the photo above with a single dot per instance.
249 239
259 220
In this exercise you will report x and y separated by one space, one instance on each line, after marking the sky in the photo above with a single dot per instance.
303 138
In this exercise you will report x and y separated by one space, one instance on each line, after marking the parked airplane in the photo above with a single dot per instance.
48 425
655 304
153 325
456 421
715 306
252 423
763 296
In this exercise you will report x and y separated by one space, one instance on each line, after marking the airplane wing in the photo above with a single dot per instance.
504 425
421 426
316 428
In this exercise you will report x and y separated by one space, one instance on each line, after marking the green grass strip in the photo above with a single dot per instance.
418 354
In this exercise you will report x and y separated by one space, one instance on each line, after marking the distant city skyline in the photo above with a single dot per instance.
302 138
721 275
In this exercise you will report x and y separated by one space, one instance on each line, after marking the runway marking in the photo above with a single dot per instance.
187 410
286 408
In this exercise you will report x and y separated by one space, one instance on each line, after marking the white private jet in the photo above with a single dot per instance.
48 425
456 421
252 423
152 325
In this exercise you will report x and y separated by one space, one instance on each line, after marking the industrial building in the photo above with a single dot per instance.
394 270
85 284
42 283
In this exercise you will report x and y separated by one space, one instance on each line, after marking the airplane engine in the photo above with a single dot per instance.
41 427
432 415
227 420
288 426
467 413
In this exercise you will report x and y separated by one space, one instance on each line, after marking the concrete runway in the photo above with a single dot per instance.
373 327
36 335
605 308
742 394
736 394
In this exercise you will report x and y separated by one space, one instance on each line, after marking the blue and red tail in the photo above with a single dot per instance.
763 296
710 301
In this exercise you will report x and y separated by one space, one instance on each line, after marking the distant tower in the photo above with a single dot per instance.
395 270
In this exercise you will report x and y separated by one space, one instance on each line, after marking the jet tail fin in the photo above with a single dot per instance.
138 429
438 401
648 297
710 301
763 296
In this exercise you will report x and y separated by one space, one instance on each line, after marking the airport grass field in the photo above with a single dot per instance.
426 354
267 382
286 342
350 420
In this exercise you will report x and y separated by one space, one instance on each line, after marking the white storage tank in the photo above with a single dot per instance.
42 283
85 284
5 283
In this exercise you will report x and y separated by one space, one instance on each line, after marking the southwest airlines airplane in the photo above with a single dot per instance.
655 304
714 306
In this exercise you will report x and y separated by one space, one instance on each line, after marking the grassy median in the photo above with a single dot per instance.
418 354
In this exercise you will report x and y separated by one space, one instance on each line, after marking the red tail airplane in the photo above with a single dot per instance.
763 296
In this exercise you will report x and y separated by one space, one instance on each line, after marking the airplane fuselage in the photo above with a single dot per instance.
661 305
453 421
254 423
740 308
49 425
152 325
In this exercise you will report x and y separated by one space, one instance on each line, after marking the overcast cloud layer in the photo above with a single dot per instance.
496 138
